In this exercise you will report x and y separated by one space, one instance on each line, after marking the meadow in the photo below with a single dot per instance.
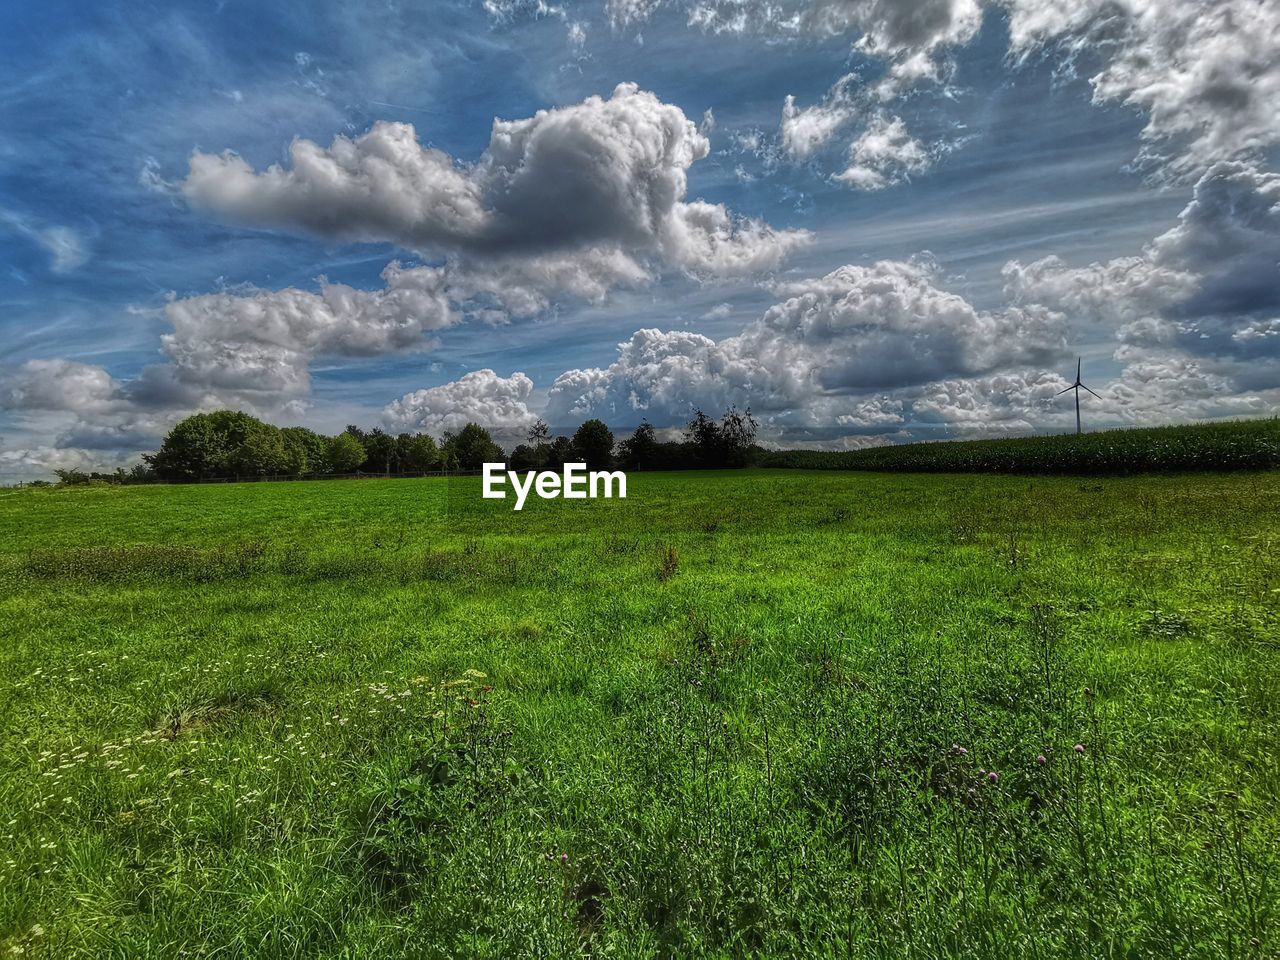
744 713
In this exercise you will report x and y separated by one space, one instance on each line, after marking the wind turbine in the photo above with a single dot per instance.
1076 387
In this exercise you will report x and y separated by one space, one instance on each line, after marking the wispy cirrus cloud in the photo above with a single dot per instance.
66 248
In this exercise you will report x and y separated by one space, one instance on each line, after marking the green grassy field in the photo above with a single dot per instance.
746 713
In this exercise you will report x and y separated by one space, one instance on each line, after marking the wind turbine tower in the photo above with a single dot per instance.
1077 387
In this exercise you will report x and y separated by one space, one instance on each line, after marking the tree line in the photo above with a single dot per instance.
228 444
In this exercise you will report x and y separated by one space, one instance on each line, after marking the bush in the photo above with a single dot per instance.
78 478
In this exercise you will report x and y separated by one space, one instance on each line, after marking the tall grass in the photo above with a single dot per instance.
759 713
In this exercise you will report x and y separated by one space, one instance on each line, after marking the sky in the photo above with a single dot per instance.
870 221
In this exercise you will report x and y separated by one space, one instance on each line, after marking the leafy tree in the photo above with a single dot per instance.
305 450
703 434
559 452
380 452
418 453
525 457
593 444
218 444
295 456
470 448
737 437
534 455
192 450
703 431
254 448
345 453
639 450
727 443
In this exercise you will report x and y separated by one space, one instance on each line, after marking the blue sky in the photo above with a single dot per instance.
887 290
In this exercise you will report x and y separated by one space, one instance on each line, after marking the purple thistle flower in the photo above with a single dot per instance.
993 777
1041 760
1078 748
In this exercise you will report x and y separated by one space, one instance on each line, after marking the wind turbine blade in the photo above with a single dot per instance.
1090 391
1077 369
1068 390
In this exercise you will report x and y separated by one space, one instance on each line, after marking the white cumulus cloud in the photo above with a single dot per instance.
482 397
605 176
1205 73
884 154
816 356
